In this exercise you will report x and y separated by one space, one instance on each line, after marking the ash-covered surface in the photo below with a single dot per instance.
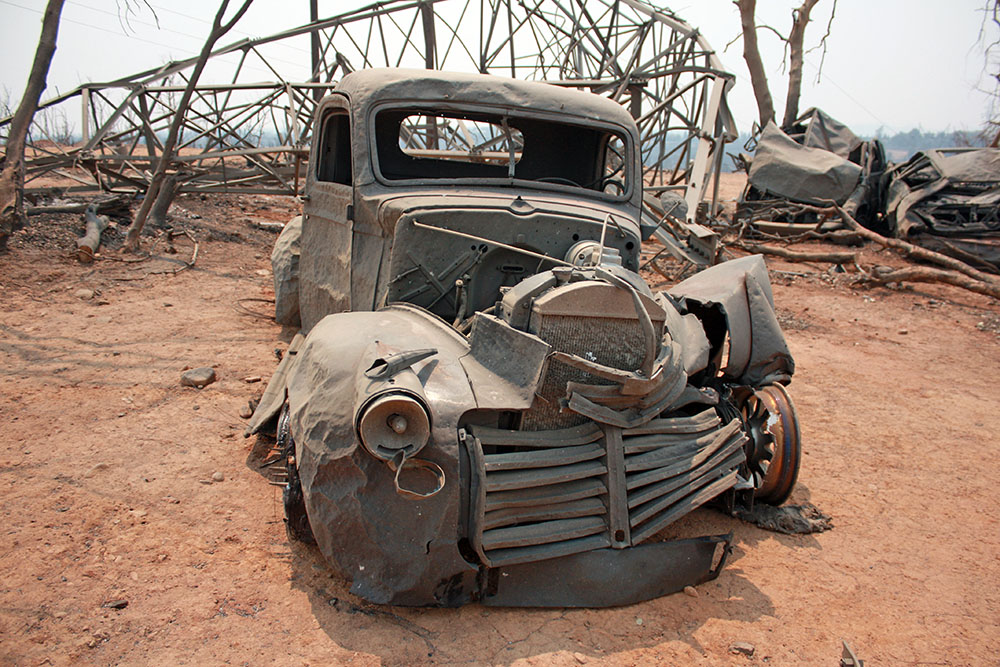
801 519
227 218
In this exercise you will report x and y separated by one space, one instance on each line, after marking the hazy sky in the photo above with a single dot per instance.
894 64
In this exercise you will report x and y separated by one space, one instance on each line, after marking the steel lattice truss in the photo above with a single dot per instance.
240 135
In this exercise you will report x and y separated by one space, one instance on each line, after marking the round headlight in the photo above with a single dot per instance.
392 423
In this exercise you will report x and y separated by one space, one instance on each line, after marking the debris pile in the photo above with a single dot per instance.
817 161
948 200
818 180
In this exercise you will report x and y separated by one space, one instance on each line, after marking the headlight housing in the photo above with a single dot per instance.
393 422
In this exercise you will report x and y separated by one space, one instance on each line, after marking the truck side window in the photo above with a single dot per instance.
334 159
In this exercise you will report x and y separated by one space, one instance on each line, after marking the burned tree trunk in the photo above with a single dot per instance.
795 45
12 174
796 39
751 54
156 183
164 198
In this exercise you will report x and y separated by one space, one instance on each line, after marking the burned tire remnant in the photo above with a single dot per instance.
296 520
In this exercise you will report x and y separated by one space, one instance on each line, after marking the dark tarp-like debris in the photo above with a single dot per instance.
826 133
783 167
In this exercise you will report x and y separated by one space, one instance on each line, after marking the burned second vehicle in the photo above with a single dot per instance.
486 401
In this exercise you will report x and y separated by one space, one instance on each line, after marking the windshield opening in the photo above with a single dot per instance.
415 143
459 139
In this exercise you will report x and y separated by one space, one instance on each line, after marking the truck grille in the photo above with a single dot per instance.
543 494
612 341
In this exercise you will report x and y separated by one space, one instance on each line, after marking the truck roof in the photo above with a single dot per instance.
371 86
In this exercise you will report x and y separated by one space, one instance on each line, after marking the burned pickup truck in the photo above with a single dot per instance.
486 401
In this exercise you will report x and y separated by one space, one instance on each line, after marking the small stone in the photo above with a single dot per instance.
580 658
252 379
691 591
638 621
204 481
218 477
246 412
84 293
198 377
115 604
167 304
746 648
903 332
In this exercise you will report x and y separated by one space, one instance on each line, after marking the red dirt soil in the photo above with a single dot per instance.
106 462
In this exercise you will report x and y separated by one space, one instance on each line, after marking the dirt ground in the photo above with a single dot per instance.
106 496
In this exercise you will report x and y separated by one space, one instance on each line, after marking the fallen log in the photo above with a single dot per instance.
800 256
916 252
922 274
87 245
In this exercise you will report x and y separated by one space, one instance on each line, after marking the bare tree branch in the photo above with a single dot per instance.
916 252
822 42
924 274
991 20
764 26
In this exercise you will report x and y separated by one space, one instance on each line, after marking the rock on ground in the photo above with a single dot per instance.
198 377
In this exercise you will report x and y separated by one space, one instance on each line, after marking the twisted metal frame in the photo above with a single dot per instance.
244 136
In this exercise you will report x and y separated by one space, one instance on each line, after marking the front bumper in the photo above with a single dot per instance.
608 577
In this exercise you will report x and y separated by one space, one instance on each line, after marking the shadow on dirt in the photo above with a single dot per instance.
477 634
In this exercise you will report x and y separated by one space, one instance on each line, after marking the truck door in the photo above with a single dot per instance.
328 209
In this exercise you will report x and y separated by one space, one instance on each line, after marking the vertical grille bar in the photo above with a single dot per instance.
618 521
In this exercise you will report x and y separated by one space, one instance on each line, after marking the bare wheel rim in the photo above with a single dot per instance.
776 443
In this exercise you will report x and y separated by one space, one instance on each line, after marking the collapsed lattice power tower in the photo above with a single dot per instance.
241 135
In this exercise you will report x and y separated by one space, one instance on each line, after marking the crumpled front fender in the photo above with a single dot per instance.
395 549
741 289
